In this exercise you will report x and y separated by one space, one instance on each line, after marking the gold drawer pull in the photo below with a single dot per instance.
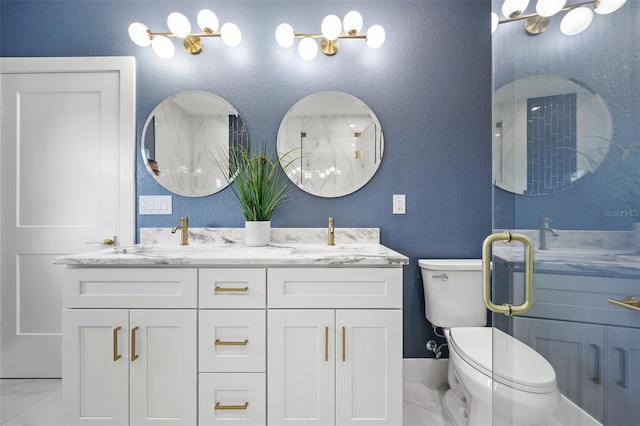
232 407
228 343
629 302
326 344
344 344
116 355
233 289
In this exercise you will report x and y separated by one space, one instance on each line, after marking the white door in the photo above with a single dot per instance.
67 178
163 369
368 367
301 367
96 366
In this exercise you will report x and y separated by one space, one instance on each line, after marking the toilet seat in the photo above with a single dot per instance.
518 367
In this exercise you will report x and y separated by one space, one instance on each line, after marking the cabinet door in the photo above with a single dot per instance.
301 367
163 368
95 367
576 352
623 371
369 367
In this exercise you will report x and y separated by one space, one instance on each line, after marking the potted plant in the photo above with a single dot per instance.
259 187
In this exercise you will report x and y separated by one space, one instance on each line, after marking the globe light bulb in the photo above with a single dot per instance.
609 6
352 22
307 48
375 36
494 22
138 33
163 47
331 27
548 8
208 21
513 8
576 21
179 25
285 35
230 34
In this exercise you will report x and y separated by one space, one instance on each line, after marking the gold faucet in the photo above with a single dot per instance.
331 232
184 227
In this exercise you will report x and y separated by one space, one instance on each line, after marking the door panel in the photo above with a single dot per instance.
301 367
370 367
164 375
96 355
67 164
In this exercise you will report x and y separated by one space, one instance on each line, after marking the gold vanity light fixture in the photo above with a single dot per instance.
331 31
179 26
577 19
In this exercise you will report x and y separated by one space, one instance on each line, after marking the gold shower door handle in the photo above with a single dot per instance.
134 356
116 355
508 309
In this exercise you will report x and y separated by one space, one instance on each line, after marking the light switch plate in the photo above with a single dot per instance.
155 204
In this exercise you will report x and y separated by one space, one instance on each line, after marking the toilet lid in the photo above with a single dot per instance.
515 364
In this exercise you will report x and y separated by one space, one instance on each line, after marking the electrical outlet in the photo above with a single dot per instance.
399 206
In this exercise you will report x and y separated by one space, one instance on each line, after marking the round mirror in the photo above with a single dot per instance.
183 138
338 139
549 132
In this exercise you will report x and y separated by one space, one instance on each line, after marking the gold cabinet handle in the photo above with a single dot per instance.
234 289
116 355
232 407
133 343
344 344
326 344
219 342
629 302
508 309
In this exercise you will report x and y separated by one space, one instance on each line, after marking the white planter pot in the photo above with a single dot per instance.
258 233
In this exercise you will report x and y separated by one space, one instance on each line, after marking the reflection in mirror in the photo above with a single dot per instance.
340 141
549 132
182 138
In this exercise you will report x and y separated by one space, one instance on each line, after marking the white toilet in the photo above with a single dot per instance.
522 389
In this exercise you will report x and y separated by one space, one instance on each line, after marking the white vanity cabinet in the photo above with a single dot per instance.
125 361
594 346
335 346
232 339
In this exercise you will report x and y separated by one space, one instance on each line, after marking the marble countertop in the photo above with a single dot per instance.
354 247
574 261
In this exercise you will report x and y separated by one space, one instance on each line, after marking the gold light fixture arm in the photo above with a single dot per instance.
508 309
564 9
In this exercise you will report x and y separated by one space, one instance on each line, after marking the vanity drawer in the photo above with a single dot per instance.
232 341
232 288
240 398
130 288
335 288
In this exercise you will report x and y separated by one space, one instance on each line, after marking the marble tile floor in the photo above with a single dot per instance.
28 402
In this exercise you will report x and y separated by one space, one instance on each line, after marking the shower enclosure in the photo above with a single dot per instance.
566 167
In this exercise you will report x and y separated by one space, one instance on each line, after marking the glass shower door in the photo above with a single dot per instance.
566 144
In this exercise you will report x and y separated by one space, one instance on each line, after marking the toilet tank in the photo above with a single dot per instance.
453 292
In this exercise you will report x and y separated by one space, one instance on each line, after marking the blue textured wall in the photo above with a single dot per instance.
606 59
429 85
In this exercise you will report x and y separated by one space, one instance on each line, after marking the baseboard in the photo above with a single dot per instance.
425 370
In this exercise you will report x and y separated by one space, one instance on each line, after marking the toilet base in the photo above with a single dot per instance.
456 409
